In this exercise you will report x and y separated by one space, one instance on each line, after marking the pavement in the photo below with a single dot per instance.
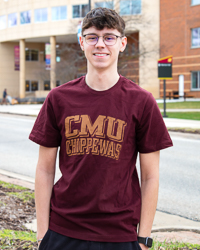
166 227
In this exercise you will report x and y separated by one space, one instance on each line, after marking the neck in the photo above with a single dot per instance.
100 81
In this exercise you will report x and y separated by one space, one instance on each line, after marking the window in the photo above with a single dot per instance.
2 22
196 80
12 19
58 55
59 13
31 55
80 10
40 15
47 84
31 86
195 2
130 7
104 5
25 17
130 50
196 37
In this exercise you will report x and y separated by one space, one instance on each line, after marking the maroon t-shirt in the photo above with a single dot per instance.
100 134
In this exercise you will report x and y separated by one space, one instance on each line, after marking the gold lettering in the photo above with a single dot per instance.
73 145
82 145
93 129
67 148
110 151
117 153
94 146
89 145
103 146
112 122
68 122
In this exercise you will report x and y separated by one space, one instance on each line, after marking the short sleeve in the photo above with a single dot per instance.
45 131
151 132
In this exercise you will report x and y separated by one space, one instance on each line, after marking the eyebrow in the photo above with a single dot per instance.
103 34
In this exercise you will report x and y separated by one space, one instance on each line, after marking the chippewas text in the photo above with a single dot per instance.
85 137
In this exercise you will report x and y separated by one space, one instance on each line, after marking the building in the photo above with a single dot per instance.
39 48
180 37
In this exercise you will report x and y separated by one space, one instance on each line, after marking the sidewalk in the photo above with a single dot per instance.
33 110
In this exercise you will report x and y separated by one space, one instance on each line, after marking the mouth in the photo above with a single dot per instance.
100 54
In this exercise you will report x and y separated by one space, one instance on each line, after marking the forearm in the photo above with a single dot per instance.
43 189
149 192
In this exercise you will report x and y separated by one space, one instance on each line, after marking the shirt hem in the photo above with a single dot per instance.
91 237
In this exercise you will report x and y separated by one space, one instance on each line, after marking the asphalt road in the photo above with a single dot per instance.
179 166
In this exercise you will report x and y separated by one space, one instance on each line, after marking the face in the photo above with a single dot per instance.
101 56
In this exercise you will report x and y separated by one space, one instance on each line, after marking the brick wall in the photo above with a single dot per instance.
177 18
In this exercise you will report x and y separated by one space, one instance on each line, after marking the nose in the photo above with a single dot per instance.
100 42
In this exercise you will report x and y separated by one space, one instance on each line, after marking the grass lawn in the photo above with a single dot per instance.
184 115
181 105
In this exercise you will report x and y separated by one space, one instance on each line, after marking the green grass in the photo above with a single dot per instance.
184 115
21 235
181 105
174 245
25 196
9 185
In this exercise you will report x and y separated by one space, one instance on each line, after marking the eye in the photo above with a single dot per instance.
91 38
109 38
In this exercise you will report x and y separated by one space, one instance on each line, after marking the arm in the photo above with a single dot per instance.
149 164
44 181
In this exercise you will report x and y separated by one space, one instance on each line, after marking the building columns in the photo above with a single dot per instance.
22 81
53 62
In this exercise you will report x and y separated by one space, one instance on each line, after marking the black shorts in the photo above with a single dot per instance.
56 241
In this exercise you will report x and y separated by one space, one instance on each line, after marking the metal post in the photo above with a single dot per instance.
89 4
164 98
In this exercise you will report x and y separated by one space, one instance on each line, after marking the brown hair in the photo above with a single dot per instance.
103 17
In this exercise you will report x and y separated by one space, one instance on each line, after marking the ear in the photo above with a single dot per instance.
81 42
123 43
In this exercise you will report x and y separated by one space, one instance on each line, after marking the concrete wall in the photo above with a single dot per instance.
9 78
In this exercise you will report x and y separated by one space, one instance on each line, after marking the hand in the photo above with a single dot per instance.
38 245
143 247
39 242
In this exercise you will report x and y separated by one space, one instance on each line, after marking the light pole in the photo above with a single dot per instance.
89 4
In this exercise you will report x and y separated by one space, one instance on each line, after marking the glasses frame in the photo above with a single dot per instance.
103 38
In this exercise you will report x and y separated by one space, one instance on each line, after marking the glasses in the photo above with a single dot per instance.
108 39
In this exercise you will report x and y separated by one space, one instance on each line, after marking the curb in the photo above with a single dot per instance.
9 113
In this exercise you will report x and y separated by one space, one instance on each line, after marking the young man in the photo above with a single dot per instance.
100 122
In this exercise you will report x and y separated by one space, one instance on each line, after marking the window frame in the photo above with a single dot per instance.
41 21
46 82
192 46
130 7
104 4
194 4
27 11
80 10
30 82
10 26
58 8
49 83
3 22
30 55
198 80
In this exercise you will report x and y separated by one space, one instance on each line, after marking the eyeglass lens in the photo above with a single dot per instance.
108 39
